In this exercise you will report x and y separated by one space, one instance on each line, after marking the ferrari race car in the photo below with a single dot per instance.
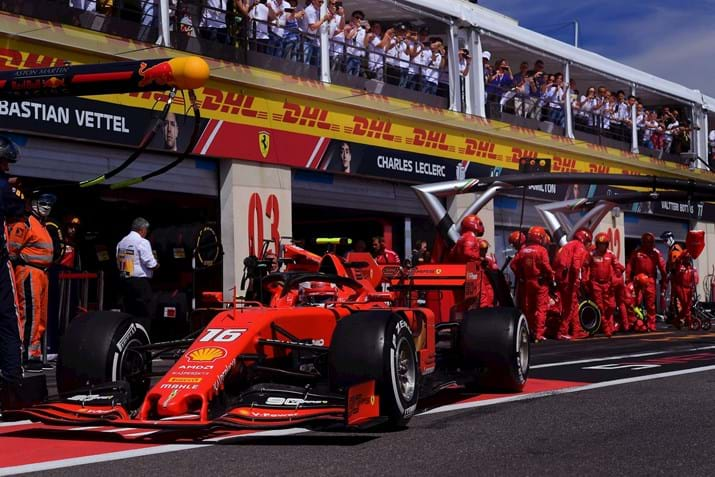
316 347
327 340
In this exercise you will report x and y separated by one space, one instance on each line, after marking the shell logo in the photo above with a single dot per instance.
438 271
207 354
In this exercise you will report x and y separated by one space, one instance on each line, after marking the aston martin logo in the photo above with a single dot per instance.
264 143
210 353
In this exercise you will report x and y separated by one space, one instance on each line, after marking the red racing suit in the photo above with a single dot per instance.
624 298
571 270
684 279
30 247
534 274
486 290
647 262
602 270
466 249
387 256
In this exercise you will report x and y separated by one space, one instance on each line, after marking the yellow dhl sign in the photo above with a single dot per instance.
271 100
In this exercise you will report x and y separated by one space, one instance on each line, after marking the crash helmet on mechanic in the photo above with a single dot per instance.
42 204
602 239
317 293
473 223
648 241
517 239
583 235
8 150
536 235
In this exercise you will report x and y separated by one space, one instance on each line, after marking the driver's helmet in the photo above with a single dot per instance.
317 293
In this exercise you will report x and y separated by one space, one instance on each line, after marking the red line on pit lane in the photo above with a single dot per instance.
533 385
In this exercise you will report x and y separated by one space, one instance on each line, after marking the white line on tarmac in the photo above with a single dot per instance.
15 423
574 389
623 356
110 456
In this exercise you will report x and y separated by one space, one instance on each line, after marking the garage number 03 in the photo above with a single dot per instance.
256 233
221 335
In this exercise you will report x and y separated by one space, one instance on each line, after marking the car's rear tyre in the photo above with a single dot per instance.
494 347
99 348
377 345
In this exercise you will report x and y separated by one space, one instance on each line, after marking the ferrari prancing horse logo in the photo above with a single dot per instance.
264 143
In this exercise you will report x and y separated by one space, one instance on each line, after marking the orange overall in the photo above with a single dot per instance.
30 247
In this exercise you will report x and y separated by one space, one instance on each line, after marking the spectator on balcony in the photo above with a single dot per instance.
711 143
390 45
653 132
376 53
213 21
556 98
521 89
588 107
620 119
671 123
536 89
261 15
465 62
487 67
310 26
414 67
500 82
608 111
356 42
336 33
403 55
150 13
291 33
276 32
430 73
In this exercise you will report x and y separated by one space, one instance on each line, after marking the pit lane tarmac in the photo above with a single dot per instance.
557 368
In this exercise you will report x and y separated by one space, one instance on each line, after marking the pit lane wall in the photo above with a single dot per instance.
280 122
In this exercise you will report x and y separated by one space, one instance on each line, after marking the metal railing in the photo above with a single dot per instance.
284 47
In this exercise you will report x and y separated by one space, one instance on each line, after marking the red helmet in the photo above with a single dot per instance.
583 235
536 235
547 238
316 293
472 223
648 240
483 245
517 239
602 238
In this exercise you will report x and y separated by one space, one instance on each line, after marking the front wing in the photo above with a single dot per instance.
360 407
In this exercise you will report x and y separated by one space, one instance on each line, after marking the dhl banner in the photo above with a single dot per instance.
268 113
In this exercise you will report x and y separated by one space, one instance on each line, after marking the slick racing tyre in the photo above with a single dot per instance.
98 348
494 346
589 315
695 324
377 345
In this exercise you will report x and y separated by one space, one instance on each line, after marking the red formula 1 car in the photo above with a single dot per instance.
327 340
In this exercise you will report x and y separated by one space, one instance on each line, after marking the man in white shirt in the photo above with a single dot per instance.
136 264
356 44
376 55
277 32
431 71
310 26
260 15
213 21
